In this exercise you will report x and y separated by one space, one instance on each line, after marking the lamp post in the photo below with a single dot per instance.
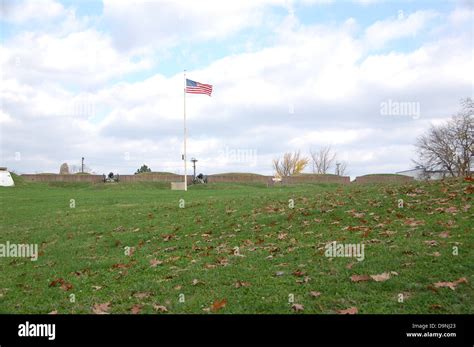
194 160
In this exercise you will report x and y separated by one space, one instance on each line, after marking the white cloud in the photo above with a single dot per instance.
84 58
386 30
22 11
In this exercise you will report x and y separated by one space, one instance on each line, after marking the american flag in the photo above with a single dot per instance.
194 87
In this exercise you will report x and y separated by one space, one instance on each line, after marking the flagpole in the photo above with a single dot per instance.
185 160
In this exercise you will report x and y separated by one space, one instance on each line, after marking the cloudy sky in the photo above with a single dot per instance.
104 81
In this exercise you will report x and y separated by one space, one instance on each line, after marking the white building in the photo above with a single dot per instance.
6 179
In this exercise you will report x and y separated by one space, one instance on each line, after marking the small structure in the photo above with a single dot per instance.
177 185
64 169
6 179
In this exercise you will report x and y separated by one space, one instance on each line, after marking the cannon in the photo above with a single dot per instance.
200 179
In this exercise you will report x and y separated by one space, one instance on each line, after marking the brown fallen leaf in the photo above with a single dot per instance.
299 273
53 312
142 295
360 278
350 310
349 266
314 294
297 307
444 234
136 309
101 308
155 262
196 282
62 284
66 286
450 285
239 284
160 308
381 278
305 279
218 304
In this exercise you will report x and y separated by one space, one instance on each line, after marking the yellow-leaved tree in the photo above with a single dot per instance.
290 164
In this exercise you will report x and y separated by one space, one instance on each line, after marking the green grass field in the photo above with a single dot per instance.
184 260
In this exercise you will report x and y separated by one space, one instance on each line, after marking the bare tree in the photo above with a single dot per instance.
322 160
450 146
73 169
290 164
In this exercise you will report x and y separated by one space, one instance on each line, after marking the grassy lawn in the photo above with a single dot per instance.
183 260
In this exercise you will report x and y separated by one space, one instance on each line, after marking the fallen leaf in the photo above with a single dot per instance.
350 310
160 308
239 284
196 282
299 273
435 306
444 234
450 285
62 284
297 307
142 295
381 278
218 304
155 262
66 286
314 294
305 279
101 308
136 309
53 312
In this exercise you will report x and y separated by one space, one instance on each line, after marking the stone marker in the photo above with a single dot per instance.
64 169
